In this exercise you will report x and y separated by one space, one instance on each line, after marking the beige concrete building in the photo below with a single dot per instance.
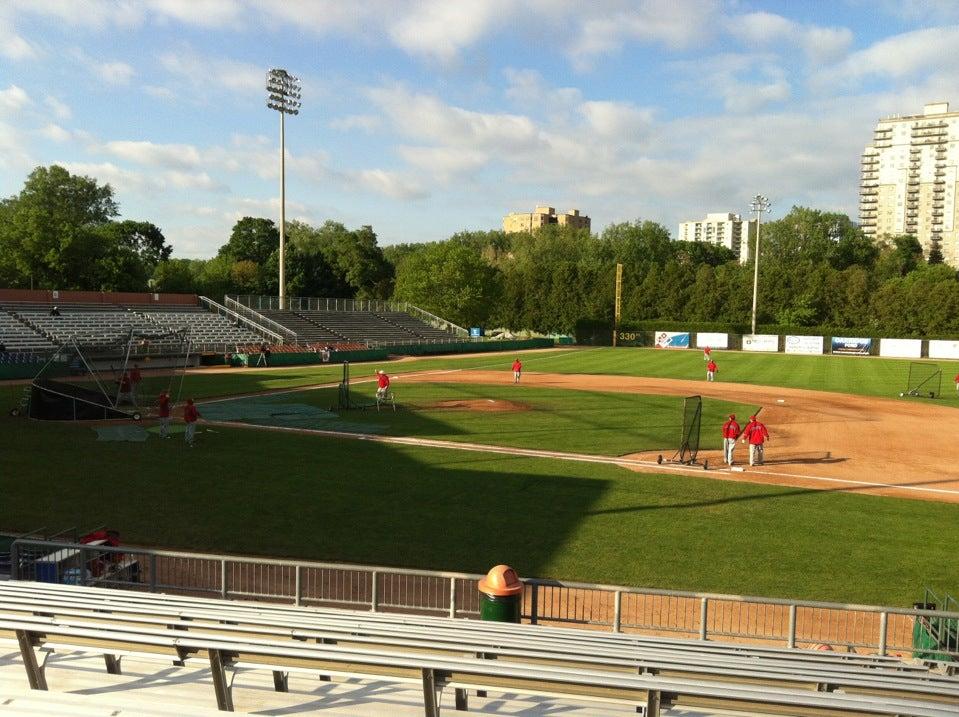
540 217
909 180
729 230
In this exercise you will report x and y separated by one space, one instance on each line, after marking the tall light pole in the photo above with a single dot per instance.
283 95
759 205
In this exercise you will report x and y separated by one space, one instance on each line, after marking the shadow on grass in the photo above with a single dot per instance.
751 497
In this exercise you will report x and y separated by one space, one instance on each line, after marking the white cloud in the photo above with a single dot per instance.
745 83
14 98
765 29
204 13
192 180
677 24
14 47
55 133
444 162
122 180
620 120
61 110
366 123
907 55
175 156
161 93
114 73
206 73
441 29
93 14
426 117
15 156
527 89
391 184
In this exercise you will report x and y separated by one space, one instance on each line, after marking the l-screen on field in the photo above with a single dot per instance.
471 470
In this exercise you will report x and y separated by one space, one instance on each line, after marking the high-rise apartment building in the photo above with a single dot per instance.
726 229
540 217
909 180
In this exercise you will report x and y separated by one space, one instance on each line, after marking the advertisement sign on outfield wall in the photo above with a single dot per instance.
944 349
847 345
901 348
713 341
804 344
672 339
760 342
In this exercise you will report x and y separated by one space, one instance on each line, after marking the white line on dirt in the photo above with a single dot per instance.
558 455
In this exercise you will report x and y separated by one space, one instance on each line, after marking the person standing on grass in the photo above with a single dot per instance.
711 370
731 432
756 435
707 353
163 411
135 378
190 416
382 384
125 389
956 379
517 370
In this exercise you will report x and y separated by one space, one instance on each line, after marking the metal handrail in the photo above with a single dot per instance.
232 303
456 582
221 309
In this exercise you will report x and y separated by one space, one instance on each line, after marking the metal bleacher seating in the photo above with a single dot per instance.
651 675
306 330
415 326
205 327
98 326
18 338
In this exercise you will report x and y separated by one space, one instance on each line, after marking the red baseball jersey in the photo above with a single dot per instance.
165 406
517 366
136 376
711 366
756 433
730 429
190 414
382 380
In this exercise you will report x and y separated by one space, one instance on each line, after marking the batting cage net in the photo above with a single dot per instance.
692 422
96 380
925 379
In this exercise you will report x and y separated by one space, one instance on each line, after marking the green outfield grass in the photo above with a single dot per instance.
292 495
860 375
550 419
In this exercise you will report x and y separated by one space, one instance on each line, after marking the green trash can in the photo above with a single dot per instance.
501 595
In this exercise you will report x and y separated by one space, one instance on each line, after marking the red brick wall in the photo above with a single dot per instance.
94 297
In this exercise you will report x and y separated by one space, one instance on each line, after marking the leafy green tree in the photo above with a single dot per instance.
252 239
52 232
176 276
898 256
450 280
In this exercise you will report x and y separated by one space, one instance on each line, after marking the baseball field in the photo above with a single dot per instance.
858 500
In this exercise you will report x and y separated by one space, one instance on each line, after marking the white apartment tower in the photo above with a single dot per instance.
909 180
729 230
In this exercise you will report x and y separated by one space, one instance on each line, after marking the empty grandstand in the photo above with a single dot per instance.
375 323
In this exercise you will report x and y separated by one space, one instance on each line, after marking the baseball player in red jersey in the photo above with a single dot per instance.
956 379
711 370
517 370
707 353
756 435
135 378
125 389
163 411
383 384
731 432
190 416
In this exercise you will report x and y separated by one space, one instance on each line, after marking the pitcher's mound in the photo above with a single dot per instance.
478 404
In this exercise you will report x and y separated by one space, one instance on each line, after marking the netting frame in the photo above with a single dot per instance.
923 380
688 452
82 354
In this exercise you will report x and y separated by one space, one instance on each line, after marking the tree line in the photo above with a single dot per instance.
817 269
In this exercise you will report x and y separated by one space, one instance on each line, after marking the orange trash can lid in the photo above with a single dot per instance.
501 580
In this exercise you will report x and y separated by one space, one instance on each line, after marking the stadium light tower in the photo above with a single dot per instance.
283 95
759 205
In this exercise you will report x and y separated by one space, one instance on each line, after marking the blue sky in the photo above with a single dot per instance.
426 117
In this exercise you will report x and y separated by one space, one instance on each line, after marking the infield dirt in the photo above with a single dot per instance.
829 441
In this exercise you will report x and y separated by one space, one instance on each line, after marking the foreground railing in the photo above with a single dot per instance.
218 308
704 616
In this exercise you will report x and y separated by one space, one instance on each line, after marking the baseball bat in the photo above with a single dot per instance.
743 429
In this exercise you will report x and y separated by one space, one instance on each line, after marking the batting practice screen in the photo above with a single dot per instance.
925 379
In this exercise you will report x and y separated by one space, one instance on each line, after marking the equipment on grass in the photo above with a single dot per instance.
81 381
689 441
345 400
925 379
